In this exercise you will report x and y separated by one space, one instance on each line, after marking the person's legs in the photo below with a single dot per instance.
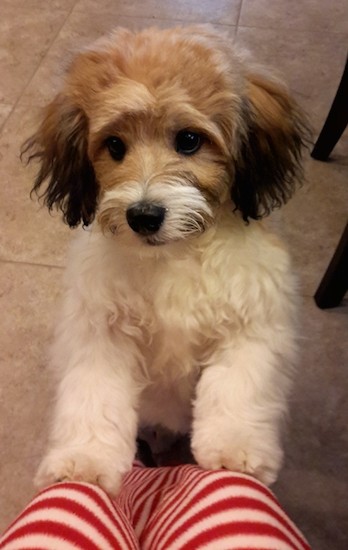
70 516
166 508
187 508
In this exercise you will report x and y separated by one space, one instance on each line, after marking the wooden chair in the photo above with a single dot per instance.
334 284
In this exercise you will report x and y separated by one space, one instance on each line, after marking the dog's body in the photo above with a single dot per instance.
179 311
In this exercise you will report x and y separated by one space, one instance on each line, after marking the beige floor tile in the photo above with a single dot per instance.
295 16
209 11
313 485
27 232
80 30
24 40
5 110
29 295
313 220
16 489
311 62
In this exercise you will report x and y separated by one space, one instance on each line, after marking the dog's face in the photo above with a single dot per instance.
153 132
159 155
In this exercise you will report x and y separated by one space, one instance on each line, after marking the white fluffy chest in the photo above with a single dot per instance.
172 339
174 313
180 305
180 311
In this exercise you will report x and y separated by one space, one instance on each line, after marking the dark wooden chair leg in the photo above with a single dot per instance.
334 284
336 121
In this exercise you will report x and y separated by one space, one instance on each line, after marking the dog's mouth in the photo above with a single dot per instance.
147 240
152 241
156 240
160 239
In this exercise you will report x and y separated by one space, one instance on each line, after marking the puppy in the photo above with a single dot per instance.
179 307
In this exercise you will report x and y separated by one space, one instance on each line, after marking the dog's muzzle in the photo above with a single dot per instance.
145 218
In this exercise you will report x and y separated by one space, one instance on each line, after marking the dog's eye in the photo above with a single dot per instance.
116 147
187 142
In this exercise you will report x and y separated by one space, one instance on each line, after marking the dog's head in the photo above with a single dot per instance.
153 132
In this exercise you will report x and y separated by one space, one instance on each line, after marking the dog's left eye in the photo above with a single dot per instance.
116 147
187 142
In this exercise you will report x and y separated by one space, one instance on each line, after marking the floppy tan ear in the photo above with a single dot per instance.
60 146
269 162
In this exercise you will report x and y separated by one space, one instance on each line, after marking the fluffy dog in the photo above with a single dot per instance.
179 308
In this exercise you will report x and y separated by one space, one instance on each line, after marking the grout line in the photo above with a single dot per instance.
239 14
298 31
8 114
41 61
178 20
32 264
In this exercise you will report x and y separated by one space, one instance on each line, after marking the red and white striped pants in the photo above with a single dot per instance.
167 508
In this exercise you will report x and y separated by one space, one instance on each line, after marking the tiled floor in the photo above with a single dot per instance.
307 41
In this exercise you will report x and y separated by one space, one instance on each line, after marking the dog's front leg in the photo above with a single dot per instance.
240 401
95 420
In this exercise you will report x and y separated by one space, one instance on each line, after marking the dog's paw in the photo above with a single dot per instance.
254 453
97 465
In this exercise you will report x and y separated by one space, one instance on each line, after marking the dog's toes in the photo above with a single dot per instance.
259 457
250 461
66 465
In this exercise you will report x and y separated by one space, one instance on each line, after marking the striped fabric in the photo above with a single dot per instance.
168 508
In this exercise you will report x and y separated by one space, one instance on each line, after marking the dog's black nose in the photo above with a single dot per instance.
145 218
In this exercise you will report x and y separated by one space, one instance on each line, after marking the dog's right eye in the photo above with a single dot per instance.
187 142
116 147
